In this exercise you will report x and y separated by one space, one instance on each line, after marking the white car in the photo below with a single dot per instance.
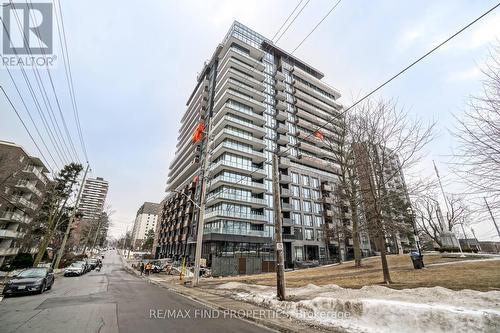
76 268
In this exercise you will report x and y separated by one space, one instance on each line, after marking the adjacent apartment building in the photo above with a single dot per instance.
257 99
23 182
145 220
90 208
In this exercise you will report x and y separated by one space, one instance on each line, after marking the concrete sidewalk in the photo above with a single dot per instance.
243 310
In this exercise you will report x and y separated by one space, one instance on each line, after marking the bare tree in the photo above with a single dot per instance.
385 134
478 133
431 221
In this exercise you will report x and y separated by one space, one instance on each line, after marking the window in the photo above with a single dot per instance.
317 221
305 180
309 234
299 253
308 220
307 206
296 204
296 218
315 194
295 191
295 177
315 182
317 208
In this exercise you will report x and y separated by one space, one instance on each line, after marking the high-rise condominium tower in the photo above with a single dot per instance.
257 99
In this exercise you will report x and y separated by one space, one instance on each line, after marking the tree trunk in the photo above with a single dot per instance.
355 223
383 258
44 243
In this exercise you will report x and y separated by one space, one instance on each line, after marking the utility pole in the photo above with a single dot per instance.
71 219
465 235
492 217
477 241
99 224
278 241
201 214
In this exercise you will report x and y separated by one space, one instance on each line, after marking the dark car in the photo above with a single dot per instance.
31 280
93 263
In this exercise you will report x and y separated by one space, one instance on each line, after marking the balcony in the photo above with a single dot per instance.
285 193
12 251
31 169
28 186
281 128
279 75
309 78
235 231
227 133
281 116
280 85
286 221
284 162
243 112
282 139
285 179
232 73
281 96
241 87
256 156
226 196
328 200
280 105
237 167
286 207
23 202
243 183
210 216
232 62
288 236
227 94
254 52
317 94
6 233
257 131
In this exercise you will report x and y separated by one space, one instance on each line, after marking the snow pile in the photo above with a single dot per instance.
380 309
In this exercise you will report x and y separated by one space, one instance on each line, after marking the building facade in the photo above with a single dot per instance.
23 183
256 99
145 220
383 189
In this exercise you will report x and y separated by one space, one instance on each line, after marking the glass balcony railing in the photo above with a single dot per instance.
239 181
230 196
236 215
235 231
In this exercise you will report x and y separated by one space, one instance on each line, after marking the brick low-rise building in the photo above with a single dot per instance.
23 182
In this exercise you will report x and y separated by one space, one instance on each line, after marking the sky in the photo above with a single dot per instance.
134 67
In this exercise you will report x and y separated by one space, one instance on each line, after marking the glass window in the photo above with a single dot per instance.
305 180
307 193
309 234
295 177
296 204
295 191
315 182
296 218
308 220
317 208
315 194
317 221
299 253
307 206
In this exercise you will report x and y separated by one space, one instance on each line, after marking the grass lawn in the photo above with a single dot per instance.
480 275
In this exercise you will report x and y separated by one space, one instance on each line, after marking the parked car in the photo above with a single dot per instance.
85 264
93 263
76 268
31 280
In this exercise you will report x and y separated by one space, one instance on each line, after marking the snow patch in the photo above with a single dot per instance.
380 309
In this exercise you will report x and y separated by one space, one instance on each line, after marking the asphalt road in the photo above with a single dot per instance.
113 300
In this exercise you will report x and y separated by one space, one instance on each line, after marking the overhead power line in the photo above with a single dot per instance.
293 11
289 25
27 129
317 25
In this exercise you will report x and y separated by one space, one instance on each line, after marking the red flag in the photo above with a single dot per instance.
198 132
319 135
